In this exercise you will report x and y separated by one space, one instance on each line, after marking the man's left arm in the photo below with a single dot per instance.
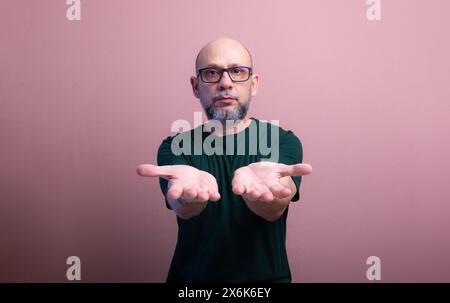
267 187
272 210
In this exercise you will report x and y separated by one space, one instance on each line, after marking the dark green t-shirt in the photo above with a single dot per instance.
227 242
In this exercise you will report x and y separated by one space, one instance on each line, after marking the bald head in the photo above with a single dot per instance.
223 52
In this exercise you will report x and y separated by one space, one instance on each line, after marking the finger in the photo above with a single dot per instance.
175 191
266 194
239 189
150 170
211 189
237 180
214 196
279 190
253 193
190 194
202 196
298 169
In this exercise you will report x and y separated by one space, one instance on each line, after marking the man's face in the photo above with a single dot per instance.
226 99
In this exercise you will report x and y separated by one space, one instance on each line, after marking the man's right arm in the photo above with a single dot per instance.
187 189
186 210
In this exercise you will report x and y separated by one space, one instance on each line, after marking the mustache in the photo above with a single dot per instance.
221 95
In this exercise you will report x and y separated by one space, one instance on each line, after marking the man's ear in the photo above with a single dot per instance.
255 84
194 84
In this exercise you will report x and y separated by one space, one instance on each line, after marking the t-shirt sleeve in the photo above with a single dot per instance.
291 152
167 157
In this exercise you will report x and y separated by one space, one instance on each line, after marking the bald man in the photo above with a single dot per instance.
231 207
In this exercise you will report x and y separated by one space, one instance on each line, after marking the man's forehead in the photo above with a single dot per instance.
221 65
223 55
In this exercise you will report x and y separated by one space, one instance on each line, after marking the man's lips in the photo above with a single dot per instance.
224 101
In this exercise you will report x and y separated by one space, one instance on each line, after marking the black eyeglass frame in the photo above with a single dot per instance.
222 70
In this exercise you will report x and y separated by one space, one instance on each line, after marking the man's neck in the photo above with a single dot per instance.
232 127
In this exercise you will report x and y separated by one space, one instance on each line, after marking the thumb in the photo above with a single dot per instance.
298 169
150 170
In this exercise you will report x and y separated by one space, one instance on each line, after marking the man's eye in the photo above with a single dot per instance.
236 70
211 72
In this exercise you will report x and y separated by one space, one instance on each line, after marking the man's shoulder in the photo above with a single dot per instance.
274 125
182 134
183 143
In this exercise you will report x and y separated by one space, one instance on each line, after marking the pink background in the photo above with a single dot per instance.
82 103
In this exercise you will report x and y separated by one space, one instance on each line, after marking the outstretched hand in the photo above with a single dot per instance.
185 182
261 180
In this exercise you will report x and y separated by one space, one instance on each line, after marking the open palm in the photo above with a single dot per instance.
261 180
186 182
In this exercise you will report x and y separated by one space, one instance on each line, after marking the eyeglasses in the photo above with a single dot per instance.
236 74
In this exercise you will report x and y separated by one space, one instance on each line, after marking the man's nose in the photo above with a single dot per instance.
225 82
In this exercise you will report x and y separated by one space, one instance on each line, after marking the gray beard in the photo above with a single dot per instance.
222 115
